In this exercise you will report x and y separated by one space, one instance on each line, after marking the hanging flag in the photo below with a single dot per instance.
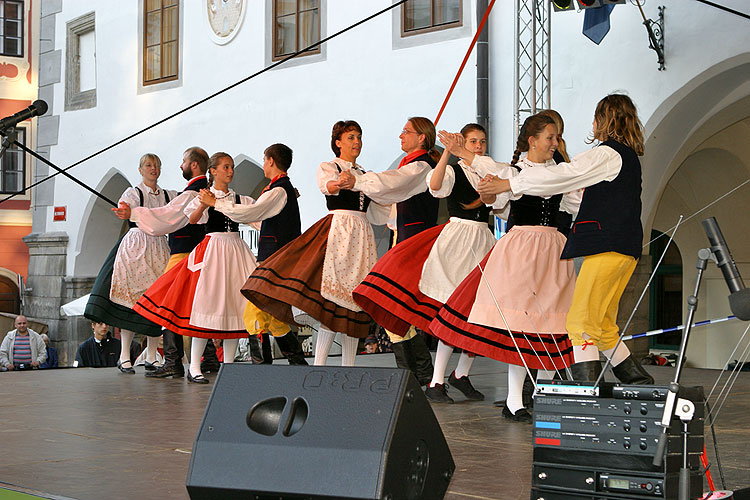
596 23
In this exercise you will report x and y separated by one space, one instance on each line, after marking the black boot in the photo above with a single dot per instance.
265 345
527 394
630 371
210 363
586 370
404 356
253 346
291 349
423 360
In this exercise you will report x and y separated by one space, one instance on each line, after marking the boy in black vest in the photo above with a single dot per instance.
278 210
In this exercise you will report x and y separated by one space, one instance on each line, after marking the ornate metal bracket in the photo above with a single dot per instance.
656 36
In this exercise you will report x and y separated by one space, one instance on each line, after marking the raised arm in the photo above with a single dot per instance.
267 205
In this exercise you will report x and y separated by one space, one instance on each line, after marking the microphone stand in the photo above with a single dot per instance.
10 137
685 407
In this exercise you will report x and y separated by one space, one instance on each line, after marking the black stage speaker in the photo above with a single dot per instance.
304 432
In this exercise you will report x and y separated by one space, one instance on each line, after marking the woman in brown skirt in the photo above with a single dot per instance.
317 271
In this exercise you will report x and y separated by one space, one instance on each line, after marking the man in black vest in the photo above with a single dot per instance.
414 214
277 207
183 238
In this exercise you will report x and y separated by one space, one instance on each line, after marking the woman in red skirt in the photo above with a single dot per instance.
512 307
200 296
410 283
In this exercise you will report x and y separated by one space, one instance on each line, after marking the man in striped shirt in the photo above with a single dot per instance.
22 348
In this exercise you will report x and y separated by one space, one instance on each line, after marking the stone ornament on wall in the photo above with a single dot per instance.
224 19
12 69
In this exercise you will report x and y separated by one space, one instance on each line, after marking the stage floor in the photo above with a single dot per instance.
88 434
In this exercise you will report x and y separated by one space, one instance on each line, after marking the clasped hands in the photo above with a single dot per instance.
346 180
207 198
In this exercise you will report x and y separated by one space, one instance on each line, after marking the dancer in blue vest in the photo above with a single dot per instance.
199 296
410 283
278 210
413 214
607 233
317 272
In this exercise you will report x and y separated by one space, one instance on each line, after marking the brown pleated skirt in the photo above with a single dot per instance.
292 277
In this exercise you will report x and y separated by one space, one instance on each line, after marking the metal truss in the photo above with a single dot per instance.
532 55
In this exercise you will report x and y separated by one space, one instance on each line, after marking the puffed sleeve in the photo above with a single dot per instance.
571 202
267 205
378 214
192 207
131 197
393 186
327 171
449 180
163 220
586 169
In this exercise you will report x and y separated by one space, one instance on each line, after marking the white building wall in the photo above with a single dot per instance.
361 77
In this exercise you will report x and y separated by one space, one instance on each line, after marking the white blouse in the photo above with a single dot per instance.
601 163
220 195
268 204
164 219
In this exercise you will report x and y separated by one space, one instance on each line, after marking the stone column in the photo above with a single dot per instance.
44 292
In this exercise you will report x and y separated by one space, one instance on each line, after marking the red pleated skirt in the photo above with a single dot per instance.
390 293
540 351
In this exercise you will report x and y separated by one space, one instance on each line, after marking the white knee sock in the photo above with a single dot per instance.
323 345
196 352
152 344
230 349
348 349
545 374
516 376
126 338
590 353
618 356
442 356
464 365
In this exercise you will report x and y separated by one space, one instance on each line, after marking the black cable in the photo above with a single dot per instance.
61 171
215 94
727 9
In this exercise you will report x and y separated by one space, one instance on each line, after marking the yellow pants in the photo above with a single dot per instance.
175 259
395 339
257 322
596 298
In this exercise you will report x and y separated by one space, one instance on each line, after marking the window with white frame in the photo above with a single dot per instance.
13 166
80 63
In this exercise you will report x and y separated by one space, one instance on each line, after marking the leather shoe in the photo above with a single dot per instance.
198 379
149 366
167 372
521 415
438 394
129 370
463 384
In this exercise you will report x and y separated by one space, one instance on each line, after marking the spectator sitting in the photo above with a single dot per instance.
51 354
102 349
371 345
22 348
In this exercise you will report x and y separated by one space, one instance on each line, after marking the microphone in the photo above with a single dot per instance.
37 108
739 296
